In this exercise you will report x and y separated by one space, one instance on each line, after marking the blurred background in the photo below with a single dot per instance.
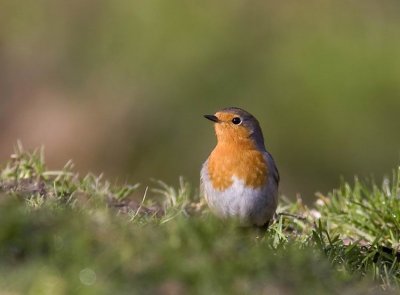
121 86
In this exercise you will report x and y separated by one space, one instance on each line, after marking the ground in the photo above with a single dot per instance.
65 234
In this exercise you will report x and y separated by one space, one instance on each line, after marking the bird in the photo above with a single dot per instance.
239 179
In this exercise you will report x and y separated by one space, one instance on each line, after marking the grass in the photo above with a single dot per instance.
65 234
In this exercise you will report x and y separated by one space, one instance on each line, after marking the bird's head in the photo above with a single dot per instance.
236 126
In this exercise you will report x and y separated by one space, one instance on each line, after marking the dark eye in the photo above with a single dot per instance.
236 121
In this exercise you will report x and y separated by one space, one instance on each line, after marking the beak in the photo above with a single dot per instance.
212 118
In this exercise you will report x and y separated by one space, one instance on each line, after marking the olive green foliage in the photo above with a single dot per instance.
132 80
65 234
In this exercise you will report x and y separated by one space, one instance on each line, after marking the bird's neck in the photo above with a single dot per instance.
238 145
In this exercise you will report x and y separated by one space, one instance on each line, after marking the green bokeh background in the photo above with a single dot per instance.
121 86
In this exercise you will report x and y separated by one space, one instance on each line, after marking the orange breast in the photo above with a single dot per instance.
242 161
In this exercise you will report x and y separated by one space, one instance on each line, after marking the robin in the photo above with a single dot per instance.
240 179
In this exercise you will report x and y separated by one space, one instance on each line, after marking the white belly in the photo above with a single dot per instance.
252 206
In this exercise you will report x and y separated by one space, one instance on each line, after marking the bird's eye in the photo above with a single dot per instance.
236 121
